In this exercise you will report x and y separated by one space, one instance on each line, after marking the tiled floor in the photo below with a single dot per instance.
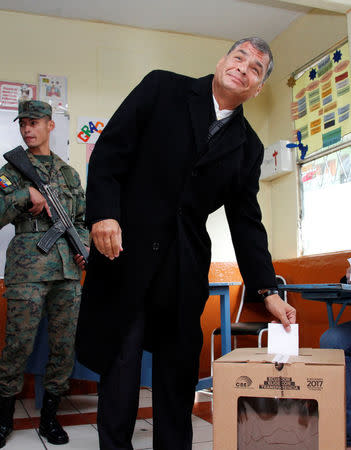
78 416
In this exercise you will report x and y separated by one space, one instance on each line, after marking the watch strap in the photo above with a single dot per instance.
268 292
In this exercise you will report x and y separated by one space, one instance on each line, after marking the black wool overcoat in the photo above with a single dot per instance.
153 170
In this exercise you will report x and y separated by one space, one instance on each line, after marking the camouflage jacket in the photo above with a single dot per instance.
24 262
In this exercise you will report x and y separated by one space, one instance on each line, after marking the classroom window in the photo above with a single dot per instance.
325 216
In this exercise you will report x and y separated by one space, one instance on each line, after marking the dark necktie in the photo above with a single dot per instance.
216 126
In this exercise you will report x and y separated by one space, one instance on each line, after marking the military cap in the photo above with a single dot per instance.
34 109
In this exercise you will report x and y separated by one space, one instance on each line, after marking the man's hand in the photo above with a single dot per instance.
38 202
79 260
107 236
284 312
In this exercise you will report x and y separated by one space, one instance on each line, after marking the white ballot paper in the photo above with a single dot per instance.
283 342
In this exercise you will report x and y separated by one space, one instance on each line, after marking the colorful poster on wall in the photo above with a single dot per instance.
89 129
53 90
321 101
12 93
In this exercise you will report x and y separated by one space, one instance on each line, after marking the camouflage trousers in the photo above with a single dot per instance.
27 303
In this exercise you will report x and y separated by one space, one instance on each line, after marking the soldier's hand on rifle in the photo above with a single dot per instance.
38 202
79 260
107 236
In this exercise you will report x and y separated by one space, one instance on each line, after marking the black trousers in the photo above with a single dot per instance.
174 377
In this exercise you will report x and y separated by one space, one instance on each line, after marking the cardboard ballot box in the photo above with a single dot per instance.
298 405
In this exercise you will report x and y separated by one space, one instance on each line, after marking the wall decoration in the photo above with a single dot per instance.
303 148
53 90
321 101
89 129
12 93
291 82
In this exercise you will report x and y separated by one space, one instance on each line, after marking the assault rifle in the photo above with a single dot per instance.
62 223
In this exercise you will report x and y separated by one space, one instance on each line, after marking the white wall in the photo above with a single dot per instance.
102 62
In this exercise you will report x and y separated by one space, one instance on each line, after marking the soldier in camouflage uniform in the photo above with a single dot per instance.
37 283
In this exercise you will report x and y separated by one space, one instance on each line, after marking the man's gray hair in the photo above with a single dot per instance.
260 45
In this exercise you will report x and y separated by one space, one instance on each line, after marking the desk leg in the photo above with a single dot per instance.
330 314
342 309
206 383
225 323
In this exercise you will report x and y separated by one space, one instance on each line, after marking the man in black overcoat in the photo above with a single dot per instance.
163 163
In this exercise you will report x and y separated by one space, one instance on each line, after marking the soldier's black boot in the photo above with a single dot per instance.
7 409
49 426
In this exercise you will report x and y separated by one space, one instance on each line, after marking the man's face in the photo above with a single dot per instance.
36 132
241 72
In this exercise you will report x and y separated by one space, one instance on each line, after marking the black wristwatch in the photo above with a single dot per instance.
266 292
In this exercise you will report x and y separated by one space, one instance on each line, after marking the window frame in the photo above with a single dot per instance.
345 142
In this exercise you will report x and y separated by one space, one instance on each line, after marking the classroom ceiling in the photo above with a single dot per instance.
224 19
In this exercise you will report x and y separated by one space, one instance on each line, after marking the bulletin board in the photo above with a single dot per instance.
321 101
10 138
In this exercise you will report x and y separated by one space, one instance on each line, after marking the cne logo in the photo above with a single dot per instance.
243 382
